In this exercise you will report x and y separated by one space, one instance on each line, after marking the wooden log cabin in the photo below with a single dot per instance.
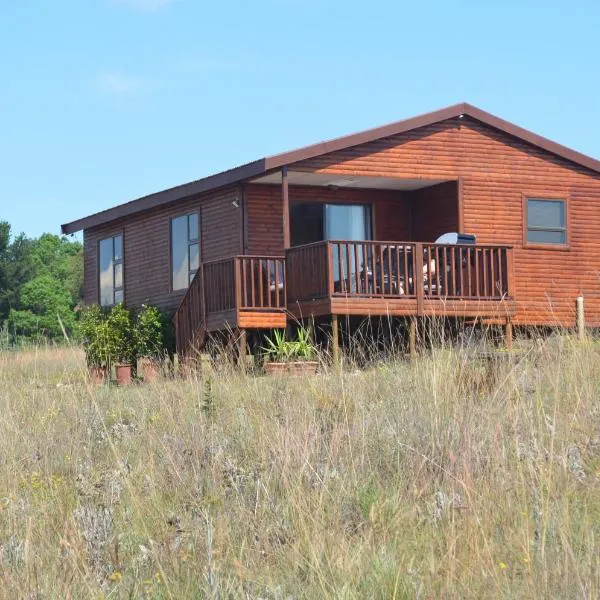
349 227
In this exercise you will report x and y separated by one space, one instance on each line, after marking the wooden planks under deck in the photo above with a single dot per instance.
374 307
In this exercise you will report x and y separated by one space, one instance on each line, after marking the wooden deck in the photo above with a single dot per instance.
382 278
362 278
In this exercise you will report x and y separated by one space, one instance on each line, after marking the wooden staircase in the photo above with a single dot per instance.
190 319
231 294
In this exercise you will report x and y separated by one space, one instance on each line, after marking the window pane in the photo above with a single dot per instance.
118 247
193 226
346 222
179 252
194 257
540 236
192 275
106 272
119 275
546 213
118 296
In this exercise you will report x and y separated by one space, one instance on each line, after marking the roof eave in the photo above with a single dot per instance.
212 182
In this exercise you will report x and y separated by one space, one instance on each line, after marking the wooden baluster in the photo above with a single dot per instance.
485 272
238 283
366 269
330 274
469 283
381 272
500 274
252 284
477 275
355 247
397 279
245 281
492 272
453 270
438 268
348 275
340 267
418 275
277 299
389 269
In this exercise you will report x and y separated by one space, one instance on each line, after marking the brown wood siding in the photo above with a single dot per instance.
496 169
265 219
434 211
147 246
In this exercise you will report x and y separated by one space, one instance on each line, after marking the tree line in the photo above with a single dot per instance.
41 285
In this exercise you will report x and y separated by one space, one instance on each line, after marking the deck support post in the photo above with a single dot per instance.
335 342
580 318
286 207
412 338
508 334
242 339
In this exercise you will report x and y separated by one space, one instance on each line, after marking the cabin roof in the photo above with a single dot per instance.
270 163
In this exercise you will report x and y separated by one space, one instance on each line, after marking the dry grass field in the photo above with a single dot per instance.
445 478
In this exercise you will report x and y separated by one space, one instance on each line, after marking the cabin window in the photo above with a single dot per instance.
185 250
111 270
546 221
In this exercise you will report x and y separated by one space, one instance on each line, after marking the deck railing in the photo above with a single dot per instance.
398 270
307 272
261 282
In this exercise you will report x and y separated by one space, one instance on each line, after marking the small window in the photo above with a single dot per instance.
185 250
111 270
546 221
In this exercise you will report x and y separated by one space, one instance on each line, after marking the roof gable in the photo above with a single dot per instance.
265 165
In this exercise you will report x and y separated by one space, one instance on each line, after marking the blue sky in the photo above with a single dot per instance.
103 101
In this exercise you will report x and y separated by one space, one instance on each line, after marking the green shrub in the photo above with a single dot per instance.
93 330
147 333
121 335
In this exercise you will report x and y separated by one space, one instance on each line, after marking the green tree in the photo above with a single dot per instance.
16 268
45 309
62 259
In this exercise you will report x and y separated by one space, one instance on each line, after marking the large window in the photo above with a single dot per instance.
111 270
185 250
546 221
316 221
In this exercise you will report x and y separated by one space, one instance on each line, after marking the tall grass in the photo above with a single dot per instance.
451 476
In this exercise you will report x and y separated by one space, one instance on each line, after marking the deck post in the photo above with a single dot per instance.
508 334
412 338
286 207
242 339
580 318
335 342
418 277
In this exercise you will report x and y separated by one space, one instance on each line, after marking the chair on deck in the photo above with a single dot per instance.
434 273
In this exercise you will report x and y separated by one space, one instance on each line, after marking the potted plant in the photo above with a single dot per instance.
121 343
149 341
292 357
96 341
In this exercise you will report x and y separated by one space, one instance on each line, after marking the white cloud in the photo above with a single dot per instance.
119 84
145 5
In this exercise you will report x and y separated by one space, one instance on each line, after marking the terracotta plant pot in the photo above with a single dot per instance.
97 375
123 374
151 370
295 369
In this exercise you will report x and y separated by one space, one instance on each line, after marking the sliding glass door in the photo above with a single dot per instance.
347 222
352 223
